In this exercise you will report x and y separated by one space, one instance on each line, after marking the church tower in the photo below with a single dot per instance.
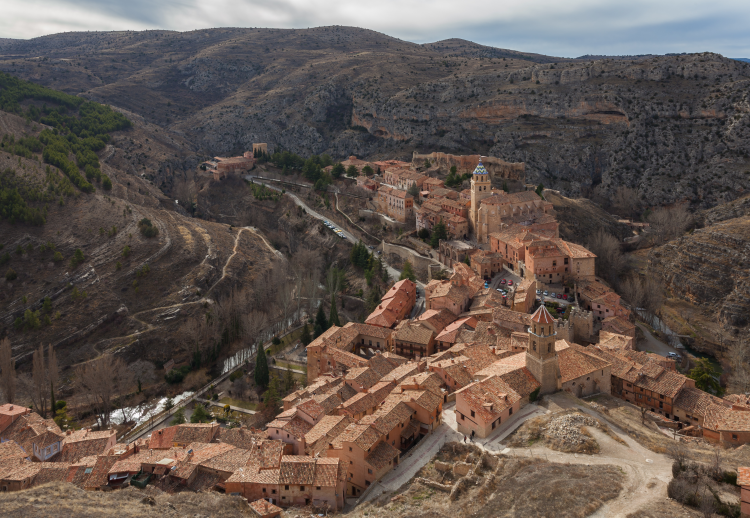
480 189
541 358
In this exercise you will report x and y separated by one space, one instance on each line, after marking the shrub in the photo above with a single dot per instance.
534 395
147 229
126 251
276 340
57 257
177 375
235 375
11 275
4 258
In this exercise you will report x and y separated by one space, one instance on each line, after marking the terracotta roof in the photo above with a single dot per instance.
21 471
364 436
364 376
743 476
382 456
423 398
195 432
424 381
382 365
620 365
312 408
401 372
575 362
388 416
12 410
12 450
488 398
368 330
456 368
240 437
84 443
327 471
264 508
500 315
99 472
695 401
619 324
295 427
450 332
229 461
395 357
329 401
346 358
407 331
610 299
437 319
542 316
330 427
162 439
51 472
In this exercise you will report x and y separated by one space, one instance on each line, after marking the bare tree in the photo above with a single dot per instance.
670 222
8 374
254 322
737 355
626 201
610 261
653 295
52 371
707 505
40 389
632 290
103 379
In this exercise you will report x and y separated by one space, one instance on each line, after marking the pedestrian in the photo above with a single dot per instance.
464 438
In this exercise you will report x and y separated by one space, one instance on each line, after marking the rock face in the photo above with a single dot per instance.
671 127
710 268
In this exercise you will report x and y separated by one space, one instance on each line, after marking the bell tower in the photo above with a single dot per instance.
541 358
480 189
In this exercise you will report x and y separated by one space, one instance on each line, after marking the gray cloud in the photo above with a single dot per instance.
549 27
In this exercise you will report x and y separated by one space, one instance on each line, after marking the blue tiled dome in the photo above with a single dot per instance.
480 168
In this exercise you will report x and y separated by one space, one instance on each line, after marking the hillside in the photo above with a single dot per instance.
130 293
670 127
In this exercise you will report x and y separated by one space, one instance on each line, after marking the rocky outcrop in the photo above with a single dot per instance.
710 268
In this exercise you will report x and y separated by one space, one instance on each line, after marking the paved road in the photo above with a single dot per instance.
655 345
348 235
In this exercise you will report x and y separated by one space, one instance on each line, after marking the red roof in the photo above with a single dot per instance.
542 316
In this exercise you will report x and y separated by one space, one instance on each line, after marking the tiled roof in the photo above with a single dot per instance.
368 330
327 471
401 372
409 332
388 416
438 319
382 456
655 378
424 381
451 330
11 410
423 398
99 472
743 476
312 408
501 315
620 365
542 316
21 471
296 427
575 362
619 324
456 368
297 469
11 450
330 427
84 443
195 432
240 437
229 461
395 357
364 376
264 508
610 299
489 398
51 472
329 401
382 365
346 358
695 401
162 439
364 436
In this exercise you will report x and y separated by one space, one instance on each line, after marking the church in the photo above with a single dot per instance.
495 210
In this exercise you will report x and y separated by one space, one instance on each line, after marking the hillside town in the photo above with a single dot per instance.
520 316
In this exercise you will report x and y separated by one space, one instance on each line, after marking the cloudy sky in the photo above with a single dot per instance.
561 28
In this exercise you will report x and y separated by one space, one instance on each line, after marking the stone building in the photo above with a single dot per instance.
541 356
454 251
396 203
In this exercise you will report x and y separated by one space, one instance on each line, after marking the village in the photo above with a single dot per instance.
520 315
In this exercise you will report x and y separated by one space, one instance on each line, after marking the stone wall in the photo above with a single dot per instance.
497 167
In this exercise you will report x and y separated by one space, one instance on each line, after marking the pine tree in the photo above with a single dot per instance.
305 338
179 417
289 382
53 401
438 232
408 272
321 324
333 319
261 368
200 415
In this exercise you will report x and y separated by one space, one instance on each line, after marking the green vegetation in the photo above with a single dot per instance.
455 180
236 375
408 272
262 193
261 368
321 324
706 376
200 415
177 375
77 258
147 228
15 196
306 338
439 231
179 417
333 318
11 274
126 251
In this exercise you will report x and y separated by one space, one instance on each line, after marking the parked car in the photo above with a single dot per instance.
552 294
559 295
502 281
538 292
546 293
671 355
565 296
498 289
510 283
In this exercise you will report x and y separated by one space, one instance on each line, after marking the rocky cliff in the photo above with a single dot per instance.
670 127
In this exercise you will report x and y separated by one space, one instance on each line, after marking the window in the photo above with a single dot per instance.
472 413
317 487
286 487
367 482
734 437
350 448
273 491
301 488
351 462
510 412
463 417
369 471
283 498
264 489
